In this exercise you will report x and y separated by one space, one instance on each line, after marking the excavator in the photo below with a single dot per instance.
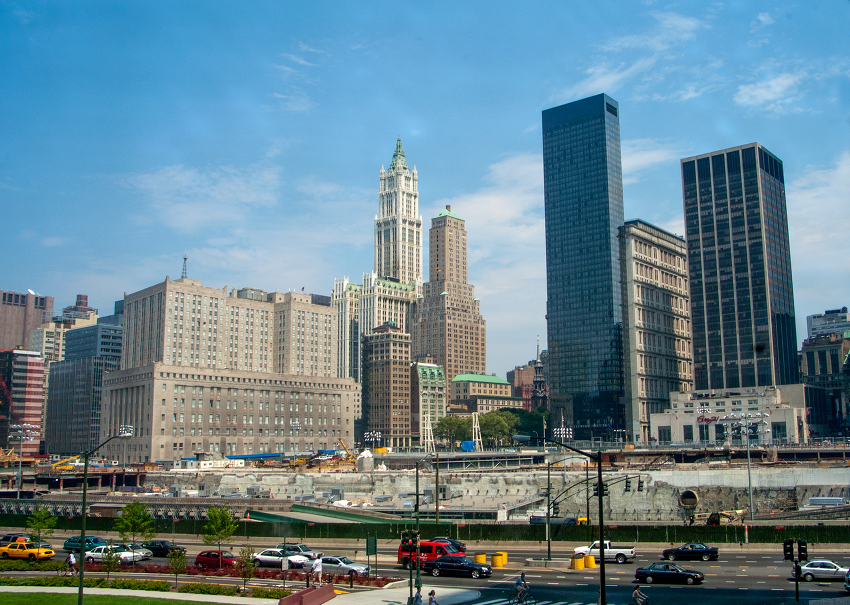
61 466
349 457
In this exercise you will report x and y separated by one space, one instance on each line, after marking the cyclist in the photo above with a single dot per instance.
521 586
639 597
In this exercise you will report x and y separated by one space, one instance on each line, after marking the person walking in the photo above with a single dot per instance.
316 570
417 598
71 560
432 598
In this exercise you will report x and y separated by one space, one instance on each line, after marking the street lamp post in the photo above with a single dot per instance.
744 423
598 458
125 429
22 432
85 456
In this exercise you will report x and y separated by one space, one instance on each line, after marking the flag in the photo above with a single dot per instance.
302 288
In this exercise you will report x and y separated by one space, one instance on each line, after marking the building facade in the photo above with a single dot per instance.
22 397
739 262
583 193
346 302
183 339
772 415
428 393
657 342
20 314
828 322
446 322
387 396
824 368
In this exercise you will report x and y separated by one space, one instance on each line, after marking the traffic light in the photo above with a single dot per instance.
802 550
414 535
788 550
596 490
555 509
605 489
628 484
640 485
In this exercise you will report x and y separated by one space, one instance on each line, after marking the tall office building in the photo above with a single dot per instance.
835 321
445 322
387 399
21 395
583 192
657 343
20 314
739 260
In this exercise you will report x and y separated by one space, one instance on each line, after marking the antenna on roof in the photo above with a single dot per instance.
185 272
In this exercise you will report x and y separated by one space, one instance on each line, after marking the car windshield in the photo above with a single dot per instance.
463 560
450 548
119 548
345 560
227 555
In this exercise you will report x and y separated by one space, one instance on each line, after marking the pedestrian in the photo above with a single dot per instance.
432 598
417 598
316 570
71 560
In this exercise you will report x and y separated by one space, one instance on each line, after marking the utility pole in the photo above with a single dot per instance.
548 511
437 497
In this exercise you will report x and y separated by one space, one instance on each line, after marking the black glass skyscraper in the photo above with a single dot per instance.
739 261
583 189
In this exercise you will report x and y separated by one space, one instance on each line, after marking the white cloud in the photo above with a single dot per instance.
305 48
53 241
606 78
641 154
298 101
762 20
299 60
773 93
189 199
818 222
671 29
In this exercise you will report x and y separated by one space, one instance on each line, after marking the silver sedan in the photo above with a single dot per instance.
343 565
273 557
822 569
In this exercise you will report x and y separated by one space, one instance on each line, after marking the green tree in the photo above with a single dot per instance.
497 426
453 429
135 523
110 560
220 527
247 565
41 524
178 563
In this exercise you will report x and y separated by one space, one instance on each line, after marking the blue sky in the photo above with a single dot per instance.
250 136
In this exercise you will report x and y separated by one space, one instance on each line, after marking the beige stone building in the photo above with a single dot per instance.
346 302
238 373
446 322
656 306
482 393
386 384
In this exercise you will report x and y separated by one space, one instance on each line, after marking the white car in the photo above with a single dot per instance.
273 557
125 555
822 569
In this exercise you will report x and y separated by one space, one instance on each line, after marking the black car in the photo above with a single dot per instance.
458 545
456 566
668 573
692 551
161 548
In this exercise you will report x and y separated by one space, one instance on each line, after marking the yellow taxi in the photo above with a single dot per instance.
25 550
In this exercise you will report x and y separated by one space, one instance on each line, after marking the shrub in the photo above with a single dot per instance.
269 593
49 581
129 584
20 565
214 589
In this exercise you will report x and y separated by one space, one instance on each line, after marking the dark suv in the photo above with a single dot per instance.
161 548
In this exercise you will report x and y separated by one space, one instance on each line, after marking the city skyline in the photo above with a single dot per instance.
251 140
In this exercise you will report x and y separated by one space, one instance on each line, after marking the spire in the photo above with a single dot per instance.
538 347
398 158
185 273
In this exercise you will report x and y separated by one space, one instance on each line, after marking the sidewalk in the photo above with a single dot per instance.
398 596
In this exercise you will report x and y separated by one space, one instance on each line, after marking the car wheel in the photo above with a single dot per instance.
706 557
475 574
90 560
671 556
435 572
621 558
258 563
808 577
689 580
648 579
31 557
4 555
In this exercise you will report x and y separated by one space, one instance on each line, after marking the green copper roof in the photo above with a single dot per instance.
479 378
447 212
398 158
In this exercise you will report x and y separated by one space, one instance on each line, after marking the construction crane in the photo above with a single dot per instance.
61 466
348 454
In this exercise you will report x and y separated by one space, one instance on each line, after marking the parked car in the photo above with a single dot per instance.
136 547
214 559
25 550
126 556
822 569
460 546
847 581
454 565
161 548
692 551
408 554
274 557
300 549
343 565
73 543
668 573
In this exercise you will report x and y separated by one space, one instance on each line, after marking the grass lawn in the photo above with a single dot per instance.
35 598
